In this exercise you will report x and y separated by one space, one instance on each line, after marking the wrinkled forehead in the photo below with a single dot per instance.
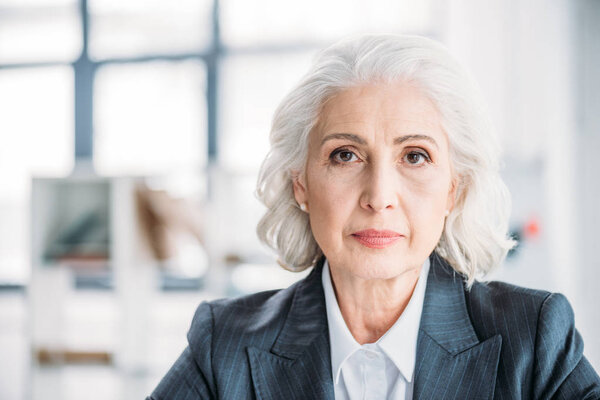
391 109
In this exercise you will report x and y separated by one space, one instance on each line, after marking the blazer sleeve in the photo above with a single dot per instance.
191 376
561 370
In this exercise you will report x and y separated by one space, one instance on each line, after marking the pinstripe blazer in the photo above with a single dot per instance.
495 341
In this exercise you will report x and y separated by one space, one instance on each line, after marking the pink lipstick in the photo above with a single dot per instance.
376 239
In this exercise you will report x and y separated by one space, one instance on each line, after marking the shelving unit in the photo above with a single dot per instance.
71 224
86 234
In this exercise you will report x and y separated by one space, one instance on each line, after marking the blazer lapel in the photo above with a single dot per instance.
298 366
451 361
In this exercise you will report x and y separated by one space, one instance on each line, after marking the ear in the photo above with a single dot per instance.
299 184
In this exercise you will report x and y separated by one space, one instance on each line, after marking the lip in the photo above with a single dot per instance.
376 239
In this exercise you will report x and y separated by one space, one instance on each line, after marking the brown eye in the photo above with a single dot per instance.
415 158
344 156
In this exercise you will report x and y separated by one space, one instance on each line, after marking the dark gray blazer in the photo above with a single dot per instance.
495 341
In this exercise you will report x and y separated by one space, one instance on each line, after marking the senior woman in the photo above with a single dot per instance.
383 177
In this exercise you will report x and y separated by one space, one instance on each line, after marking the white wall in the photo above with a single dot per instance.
537 62
588 177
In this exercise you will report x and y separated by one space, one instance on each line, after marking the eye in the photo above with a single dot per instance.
343 156
416 158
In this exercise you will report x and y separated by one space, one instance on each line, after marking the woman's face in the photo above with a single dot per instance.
378 180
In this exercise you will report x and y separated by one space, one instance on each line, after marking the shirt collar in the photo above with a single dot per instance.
399 343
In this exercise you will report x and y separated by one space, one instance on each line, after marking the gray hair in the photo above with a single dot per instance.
474 239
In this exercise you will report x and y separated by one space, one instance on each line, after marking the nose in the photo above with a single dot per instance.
380 189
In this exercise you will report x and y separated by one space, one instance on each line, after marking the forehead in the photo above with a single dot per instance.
395 109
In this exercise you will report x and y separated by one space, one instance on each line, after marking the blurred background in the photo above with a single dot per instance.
131 133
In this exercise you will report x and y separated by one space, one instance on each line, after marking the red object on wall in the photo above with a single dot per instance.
531 230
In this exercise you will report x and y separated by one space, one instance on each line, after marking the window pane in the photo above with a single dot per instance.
150 118
36 137
251 88
140 27
40 31
36 3
249 22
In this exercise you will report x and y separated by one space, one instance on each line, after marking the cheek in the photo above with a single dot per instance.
426 201
431 197
329 197
431 184
331 203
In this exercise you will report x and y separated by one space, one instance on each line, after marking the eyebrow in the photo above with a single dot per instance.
402 139
357 139
347 136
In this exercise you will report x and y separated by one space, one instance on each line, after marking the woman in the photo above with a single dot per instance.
383 174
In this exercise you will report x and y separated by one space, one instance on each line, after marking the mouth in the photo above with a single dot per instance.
377 239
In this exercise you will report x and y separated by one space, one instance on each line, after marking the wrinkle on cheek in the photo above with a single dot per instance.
429 180
424 188
329 191
326 174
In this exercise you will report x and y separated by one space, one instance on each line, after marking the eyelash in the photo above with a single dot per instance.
419 153
336 152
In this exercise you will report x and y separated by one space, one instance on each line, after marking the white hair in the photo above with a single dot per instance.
474 239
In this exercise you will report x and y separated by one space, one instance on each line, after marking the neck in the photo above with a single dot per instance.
371 306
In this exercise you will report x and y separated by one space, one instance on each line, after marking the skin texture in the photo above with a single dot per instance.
378 159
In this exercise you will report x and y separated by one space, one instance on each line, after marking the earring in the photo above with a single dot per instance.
447 212
303 207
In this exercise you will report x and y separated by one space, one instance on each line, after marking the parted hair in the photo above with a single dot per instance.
474 239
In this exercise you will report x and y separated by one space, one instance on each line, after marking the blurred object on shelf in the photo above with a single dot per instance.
86 233
163 217
54 357
84 239
232 259
172 230
72 227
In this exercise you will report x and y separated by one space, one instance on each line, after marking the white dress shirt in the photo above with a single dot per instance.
380 370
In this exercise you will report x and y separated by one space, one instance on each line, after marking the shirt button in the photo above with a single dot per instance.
370 355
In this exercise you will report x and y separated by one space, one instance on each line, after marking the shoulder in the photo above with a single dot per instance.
491 301
242 318
223 330
541 348
212 366
519 314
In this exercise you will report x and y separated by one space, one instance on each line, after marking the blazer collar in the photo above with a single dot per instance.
452 362
445 317
298 365
307 317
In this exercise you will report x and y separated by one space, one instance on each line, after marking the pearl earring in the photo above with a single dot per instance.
303 207
447 212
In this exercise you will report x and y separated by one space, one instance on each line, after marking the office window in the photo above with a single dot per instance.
150 118
152 91
140 27
315 21
39 30
36 126
36 137
251 87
